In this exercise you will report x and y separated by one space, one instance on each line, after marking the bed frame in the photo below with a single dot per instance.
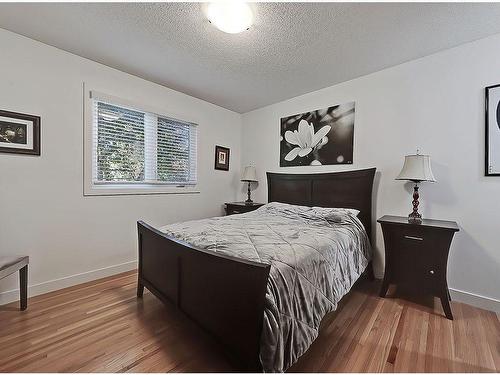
223 294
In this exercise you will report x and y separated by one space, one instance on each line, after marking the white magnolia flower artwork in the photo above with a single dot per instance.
320 137
305 139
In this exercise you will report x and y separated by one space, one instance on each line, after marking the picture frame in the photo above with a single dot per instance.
222 158
492 131
19 133
319 137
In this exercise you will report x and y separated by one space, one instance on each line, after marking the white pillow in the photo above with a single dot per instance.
324 210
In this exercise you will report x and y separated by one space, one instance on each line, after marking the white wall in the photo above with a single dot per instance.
437 104
43 212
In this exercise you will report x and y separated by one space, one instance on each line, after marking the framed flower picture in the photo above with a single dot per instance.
320 137
221 158
19 133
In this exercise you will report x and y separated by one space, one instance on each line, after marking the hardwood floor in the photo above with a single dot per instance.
102 327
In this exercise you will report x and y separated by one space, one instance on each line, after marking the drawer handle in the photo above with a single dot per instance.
431 272
414 238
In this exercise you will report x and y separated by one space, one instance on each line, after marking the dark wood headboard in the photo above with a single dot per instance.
351 189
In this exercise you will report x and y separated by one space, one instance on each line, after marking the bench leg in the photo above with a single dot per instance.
23 286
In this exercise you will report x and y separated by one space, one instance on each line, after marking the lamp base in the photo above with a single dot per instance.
414 217
249 200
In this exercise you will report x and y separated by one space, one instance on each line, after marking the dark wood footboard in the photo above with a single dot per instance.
224 295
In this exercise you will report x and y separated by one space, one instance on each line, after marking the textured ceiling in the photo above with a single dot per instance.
292 49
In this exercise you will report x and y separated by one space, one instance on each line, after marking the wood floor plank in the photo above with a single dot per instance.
332 330
101 326
491 326
382 348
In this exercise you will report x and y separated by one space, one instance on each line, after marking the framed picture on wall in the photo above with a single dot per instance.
492 119
321 137
221 158
19 133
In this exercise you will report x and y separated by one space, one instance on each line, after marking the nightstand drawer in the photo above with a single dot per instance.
417 238
241 207
406 238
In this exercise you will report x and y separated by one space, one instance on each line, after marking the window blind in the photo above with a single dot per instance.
139 147
176 151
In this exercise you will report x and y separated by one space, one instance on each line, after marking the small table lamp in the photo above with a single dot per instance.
249 175
417 168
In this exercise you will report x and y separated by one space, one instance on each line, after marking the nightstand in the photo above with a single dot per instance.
241 207
416 256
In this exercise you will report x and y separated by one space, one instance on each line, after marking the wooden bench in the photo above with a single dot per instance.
11 264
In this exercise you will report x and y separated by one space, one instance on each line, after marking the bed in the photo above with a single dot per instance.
229 295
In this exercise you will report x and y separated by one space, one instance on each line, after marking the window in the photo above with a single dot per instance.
134 149
119 144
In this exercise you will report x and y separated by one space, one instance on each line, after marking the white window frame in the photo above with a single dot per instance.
92 188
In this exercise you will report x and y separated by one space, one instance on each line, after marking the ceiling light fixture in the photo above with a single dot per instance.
230 16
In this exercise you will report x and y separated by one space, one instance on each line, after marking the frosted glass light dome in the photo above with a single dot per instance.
230 16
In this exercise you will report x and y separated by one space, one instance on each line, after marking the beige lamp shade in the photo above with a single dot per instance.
417 168
249 174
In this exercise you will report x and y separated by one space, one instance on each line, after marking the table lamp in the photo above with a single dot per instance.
249 175
417 168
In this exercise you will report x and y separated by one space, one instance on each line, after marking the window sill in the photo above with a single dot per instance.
121 189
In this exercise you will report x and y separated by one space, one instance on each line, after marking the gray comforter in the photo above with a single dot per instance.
316 255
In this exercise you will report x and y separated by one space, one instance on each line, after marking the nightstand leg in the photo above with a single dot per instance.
370 273
446 305
385 286
140 289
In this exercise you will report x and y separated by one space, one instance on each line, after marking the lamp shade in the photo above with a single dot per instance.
417 168
249 174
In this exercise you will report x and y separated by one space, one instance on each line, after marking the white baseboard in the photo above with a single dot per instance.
64 282
473 299
476 300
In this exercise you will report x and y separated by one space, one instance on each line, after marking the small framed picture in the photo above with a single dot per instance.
221 158
492 131
19 133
